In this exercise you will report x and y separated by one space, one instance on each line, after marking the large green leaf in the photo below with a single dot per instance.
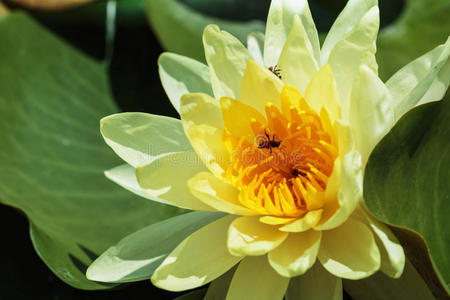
406 184
423 25
179 27
52 156
50 4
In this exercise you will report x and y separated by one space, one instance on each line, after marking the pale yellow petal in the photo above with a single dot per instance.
279 23
439 86
322 92
138 255
237 116
371 112
248 236
255 45
349 251
125 176
165 180
217 194
316 284
345 22
308 221
348 196
344 189
297 62
140 138
272 220
203 123
256 279
182 75
392 254
296 254
290 96
354 49
260 86
199 259
421 81
227 58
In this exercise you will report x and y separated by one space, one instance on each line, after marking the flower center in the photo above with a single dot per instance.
283 170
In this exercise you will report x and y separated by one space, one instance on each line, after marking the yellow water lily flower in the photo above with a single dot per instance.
276 136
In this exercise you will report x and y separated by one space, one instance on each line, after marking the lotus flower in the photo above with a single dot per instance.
276 137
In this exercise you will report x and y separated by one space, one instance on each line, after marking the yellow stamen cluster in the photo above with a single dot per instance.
283 170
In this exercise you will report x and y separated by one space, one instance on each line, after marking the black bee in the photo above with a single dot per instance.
269 143
296 172
275 70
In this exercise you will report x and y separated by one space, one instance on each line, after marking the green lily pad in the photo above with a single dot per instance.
423 25
179 27
52 155
406 184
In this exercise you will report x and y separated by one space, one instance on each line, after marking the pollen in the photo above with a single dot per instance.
282 164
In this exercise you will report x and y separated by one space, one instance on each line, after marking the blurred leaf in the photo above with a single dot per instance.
3 9
406 184
52 154
423 25
231 9
180 28
50 4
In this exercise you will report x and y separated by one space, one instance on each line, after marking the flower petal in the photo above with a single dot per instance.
308 221
125 176
203 123
349 251
391 251
371 113
136 256
237 116
227 58
279 23
273 220
218 194
140 138
349 195
317 284
392 255
157 180
256 279
297 62
345 22
321 92
296 254
344 188
255 45
199 259
248 236
356 48
416 83
260 86
182 75
439 85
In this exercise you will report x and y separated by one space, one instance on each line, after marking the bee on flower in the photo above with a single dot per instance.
279 215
